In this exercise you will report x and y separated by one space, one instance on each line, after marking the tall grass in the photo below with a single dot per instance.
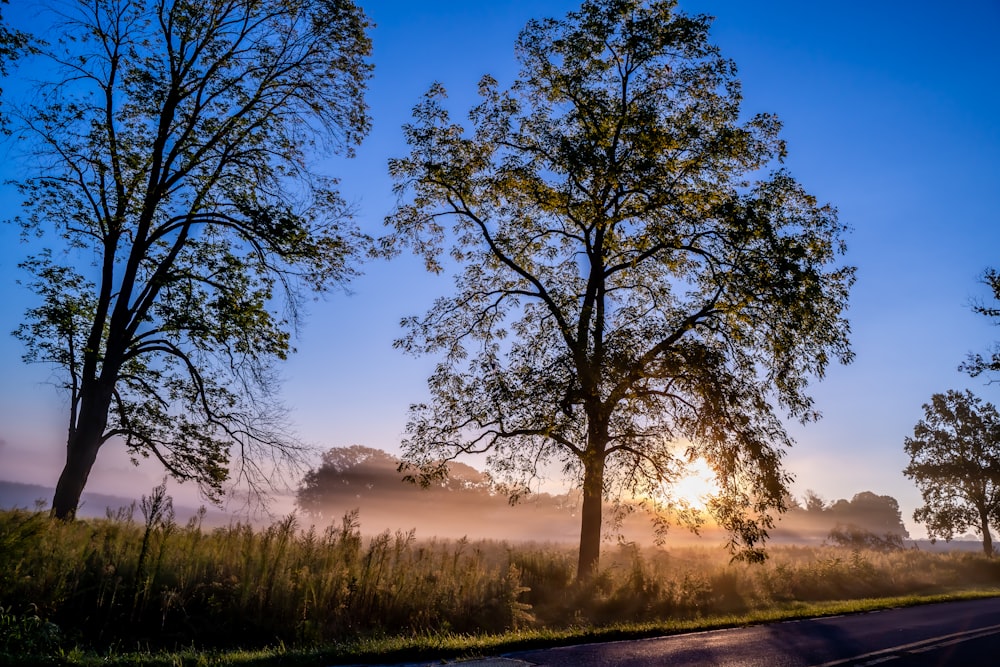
126 584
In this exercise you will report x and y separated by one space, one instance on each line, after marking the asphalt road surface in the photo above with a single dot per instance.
953 633
964 634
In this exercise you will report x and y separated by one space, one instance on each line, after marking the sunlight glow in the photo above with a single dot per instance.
696 487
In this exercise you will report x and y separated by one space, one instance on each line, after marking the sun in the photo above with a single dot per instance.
695 487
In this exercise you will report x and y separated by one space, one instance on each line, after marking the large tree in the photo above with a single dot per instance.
633 289
173 174
955 462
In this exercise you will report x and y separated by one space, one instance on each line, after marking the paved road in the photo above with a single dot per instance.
954 633
939 635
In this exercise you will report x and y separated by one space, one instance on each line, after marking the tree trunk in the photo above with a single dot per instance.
81 452
590 528
987 538
80 457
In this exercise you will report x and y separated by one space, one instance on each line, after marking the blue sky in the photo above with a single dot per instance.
890 112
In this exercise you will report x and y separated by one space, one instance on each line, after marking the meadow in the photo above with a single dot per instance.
137 587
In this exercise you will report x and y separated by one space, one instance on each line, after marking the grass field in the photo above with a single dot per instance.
147 590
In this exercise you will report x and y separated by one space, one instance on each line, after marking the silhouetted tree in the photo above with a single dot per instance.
868 511
369 482
814 502
847 521
173 167
355 471
955 461
792 503
629 298
977 363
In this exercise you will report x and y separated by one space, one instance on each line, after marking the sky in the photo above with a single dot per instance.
890 114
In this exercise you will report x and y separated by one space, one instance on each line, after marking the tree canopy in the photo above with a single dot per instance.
878 514
185 221
867 520
955 461
637 284
358 470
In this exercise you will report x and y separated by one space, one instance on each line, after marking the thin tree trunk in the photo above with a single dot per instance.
590 528
81 452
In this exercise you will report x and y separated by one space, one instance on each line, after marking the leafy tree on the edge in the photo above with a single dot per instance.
955 462
172 168
977 363
635 291
14 44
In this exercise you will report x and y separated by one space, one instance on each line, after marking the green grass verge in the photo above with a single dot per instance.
457 647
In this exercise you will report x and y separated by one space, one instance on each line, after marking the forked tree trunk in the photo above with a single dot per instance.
81 452
590 528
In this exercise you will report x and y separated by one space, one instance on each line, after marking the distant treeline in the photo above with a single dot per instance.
465 504
880 514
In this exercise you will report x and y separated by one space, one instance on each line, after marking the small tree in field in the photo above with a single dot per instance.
172 165
955 462
634 291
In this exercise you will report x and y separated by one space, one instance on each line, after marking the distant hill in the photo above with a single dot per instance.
26 496
92 505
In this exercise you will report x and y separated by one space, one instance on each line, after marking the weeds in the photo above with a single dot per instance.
115 585
26 633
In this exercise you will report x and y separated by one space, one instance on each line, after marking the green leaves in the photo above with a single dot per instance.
955 461
625 290
172 167
56 331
